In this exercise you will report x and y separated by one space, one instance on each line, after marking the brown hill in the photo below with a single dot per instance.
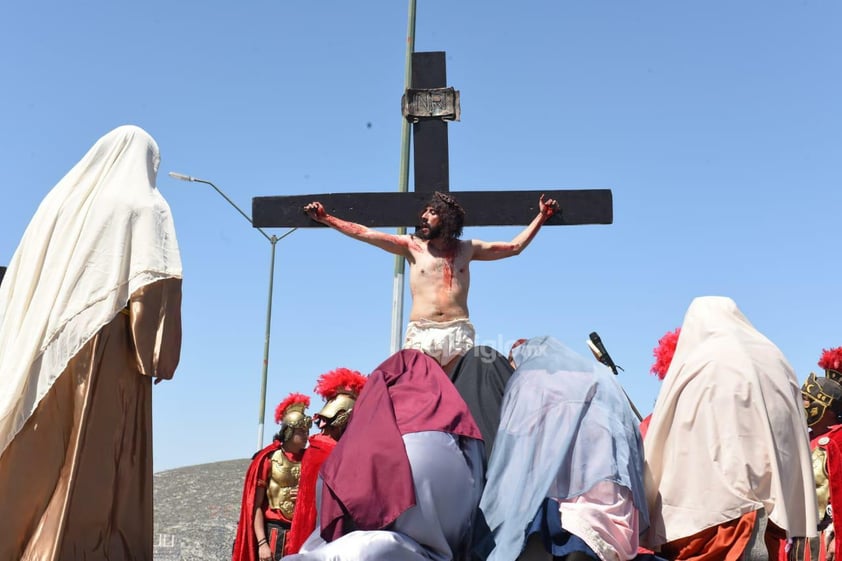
196 511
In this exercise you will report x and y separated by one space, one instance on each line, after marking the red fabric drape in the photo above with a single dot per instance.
304 518
245 544
834 476
725 542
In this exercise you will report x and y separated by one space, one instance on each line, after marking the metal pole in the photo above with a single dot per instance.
403 187
261 418
633 407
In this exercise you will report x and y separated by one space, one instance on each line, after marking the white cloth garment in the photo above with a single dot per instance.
447 475
728 434
52 300
442 340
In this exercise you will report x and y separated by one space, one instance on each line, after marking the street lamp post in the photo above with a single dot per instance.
403 187
273 240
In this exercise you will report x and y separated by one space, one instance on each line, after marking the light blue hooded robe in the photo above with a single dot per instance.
565 425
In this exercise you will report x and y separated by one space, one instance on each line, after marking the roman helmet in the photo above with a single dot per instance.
823 393
291 414
340 389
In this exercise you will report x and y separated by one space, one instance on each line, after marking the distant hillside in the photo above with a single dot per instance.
196 511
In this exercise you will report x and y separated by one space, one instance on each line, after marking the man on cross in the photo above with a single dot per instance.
439 277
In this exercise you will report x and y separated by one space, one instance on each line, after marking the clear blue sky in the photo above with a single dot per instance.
717 125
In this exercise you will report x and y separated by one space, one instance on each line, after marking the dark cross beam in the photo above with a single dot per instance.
430 155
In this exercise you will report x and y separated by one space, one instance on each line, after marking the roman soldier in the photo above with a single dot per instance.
823 405
340 389
270 489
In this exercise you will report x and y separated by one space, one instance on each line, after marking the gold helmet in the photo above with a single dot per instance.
291 414
821 394
340 389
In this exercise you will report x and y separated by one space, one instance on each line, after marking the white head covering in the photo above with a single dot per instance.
728 434
99 235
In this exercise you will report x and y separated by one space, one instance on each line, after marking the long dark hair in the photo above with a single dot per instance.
450 212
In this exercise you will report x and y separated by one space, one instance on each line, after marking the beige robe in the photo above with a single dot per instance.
728 435
76 481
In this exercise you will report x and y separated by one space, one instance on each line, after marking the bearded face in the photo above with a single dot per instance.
426 232
429 225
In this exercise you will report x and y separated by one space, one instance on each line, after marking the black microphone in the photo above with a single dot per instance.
598 349
602 355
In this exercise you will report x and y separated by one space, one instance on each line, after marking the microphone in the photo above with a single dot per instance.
598 349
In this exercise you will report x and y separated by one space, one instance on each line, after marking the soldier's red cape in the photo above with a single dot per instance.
834 475
245 544
304 517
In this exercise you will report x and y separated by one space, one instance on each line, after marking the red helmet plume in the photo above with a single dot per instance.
291 399
340 380
664 352
831 359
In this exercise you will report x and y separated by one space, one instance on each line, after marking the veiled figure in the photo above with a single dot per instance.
89 314
565 479
728 470
404 481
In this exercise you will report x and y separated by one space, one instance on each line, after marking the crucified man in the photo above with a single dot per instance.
439 276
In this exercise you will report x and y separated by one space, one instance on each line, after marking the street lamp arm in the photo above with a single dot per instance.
184 177
285 234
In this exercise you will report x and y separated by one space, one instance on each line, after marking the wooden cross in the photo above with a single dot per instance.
431 169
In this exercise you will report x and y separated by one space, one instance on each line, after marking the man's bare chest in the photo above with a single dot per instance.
447 266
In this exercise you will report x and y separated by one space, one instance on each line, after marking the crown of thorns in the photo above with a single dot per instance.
448 200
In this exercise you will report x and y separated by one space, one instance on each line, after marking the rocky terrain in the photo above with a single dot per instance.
196 511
